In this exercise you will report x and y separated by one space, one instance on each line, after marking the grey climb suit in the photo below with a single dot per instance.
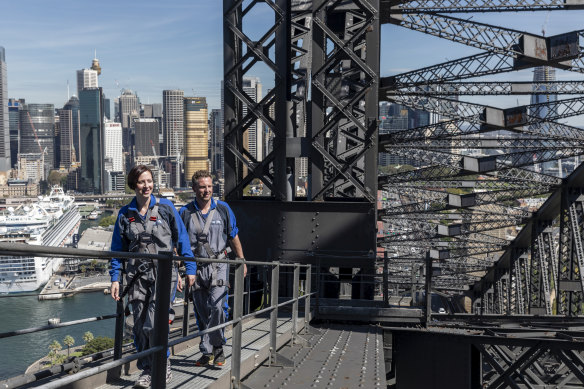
210 291
161 229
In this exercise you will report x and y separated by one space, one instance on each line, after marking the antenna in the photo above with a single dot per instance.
94 53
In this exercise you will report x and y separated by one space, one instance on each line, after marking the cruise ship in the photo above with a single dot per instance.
49 221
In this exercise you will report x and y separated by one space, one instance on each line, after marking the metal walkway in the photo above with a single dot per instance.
255 349
337 356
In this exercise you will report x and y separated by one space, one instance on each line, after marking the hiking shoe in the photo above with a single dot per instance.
219 356
168 371
144 380
205 360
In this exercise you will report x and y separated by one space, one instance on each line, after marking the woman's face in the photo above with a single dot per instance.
144 185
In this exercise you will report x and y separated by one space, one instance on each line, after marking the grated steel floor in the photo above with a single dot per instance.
185 374
339 356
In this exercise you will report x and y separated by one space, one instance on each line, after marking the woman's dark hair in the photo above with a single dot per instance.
135 173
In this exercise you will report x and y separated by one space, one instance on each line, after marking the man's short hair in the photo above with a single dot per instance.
135 173
200 174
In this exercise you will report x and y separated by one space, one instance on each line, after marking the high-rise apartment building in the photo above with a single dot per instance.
113 147
5 164
216 143
37 132
173 114
92 178
253 138
196 155
86 78
14 106
146 136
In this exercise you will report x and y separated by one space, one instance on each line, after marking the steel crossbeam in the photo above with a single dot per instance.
451 6
491 88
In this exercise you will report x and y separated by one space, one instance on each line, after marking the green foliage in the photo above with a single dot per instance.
107 221
88 337
54 356
115 203
393 169
68 341
186 197
97 344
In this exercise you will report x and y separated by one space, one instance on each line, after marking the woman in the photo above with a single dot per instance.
146 225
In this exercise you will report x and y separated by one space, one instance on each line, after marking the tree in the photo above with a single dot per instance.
69 341
88 337
97 344
107 221
54 355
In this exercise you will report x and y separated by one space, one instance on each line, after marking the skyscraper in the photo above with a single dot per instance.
173 113
37 132
14 106
91 140
66 139
253 137
541 76
146 136
4 124
114 161
129 107
196 126
73 106
86 78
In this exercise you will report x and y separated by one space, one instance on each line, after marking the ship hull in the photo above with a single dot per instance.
27 274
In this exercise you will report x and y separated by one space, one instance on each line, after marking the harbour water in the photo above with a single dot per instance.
18 352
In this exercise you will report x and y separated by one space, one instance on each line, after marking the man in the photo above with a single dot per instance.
213 233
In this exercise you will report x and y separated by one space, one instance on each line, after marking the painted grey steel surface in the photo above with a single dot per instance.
255 341
339 356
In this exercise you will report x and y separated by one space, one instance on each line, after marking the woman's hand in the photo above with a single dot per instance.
115 290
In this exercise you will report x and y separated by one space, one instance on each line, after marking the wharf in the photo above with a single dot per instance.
70 285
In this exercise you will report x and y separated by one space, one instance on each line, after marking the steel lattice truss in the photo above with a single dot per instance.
460 200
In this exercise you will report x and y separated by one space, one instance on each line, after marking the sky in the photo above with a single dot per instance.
149 46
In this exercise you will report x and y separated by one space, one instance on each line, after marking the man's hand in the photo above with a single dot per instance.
244 270
115 290
190 279
179 284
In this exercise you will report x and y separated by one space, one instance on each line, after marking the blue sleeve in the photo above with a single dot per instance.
233 230
117 245
184 244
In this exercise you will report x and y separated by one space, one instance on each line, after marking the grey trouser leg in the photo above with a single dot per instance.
143 300
143 312
210 313
209 304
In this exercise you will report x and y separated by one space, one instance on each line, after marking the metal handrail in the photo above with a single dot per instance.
161 343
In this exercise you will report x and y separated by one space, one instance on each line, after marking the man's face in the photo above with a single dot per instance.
203 189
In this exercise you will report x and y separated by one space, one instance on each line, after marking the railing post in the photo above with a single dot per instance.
237 326
385 280
295 284
119 334
308 291
428 288
185 323
274 313
248 295
162 296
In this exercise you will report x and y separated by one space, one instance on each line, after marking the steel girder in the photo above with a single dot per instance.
452 6
491 88
481 143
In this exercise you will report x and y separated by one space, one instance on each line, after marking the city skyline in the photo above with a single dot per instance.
153 46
